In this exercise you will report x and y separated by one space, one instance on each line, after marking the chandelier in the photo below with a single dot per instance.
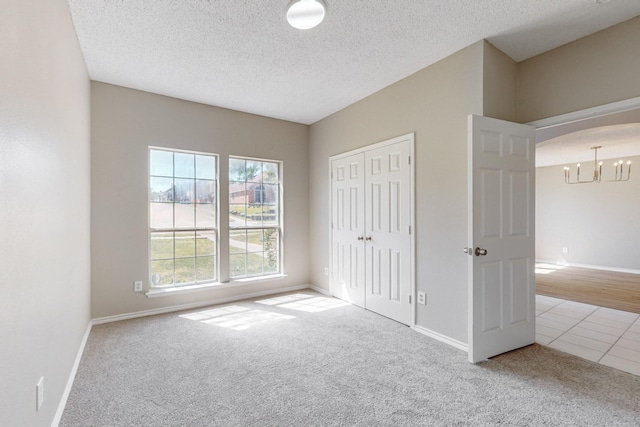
597 171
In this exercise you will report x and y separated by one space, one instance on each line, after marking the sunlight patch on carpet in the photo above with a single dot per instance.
235 317
304 302
284 299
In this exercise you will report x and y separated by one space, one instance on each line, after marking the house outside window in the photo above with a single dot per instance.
255 229
182 217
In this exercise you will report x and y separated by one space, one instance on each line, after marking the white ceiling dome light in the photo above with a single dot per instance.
305 14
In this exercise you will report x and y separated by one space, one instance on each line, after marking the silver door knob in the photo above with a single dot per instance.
368 238
360 238
481 252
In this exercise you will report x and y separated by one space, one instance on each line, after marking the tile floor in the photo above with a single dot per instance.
600 334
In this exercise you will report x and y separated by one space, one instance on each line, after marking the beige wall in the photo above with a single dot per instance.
595 70
44 212
500 75
433 103
598 223
124 123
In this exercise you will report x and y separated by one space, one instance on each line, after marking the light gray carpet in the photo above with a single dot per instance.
274 365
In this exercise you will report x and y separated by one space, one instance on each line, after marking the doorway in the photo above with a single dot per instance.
586 235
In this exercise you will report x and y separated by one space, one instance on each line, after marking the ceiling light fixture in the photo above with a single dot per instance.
305 14
597 171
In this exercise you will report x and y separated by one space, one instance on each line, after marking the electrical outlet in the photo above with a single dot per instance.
39 393
137 286
565 250
422 298
326 271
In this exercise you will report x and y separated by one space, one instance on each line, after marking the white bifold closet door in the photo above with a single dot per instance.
371 228
347 251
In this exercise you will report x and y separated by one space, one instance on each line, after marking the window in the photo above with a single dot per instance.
254 217
182 217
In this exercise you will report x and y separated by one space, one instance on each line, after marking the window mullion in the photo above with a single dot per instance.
174 258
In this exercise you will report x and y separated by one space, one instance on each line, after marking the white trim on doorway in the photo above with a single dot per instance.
588 113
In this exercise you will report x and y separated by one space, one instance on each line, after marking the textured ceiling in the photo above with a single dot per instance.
242 54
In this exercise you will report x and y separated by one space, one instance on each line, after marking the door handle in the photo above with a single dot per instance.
481 252
360 238
368 238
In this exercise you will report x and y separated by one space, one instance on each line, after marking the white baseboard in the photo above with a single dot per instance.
592 267
320 290
173 308
600 267
442 338
72 377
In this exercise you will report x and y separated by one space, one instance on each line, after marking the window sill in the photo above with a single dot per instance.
178 290
257 279
165 292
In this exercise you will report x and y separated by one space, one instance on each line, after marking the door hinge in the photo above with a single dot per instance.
409 229
409 299
409 159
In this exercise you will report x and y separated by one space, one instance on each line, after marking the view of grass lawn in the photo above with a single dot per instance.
244 210
253 215
251 240
253 264
253 252
194 257
187 270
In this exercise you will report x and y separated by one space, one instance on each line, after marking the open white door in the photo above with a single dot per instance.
501 237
